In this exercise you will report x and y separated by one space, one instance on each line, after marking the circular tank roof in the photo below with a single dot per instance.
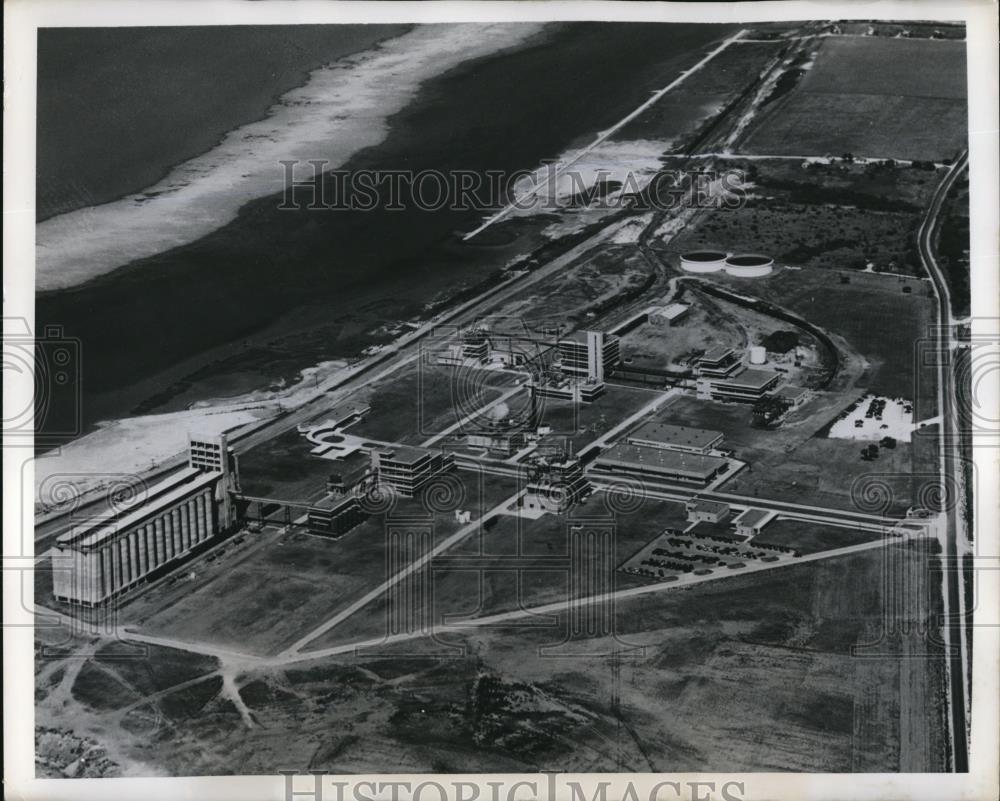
704 255
749 260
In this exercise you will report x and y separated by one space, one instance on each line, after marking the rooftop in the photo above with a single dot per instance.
751 379
668 434
676 462
790 391
580 338
752 517
712 507
155 499
716 354
404 454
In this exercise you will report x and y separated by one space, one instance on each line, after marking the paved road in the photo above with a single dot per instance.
952 576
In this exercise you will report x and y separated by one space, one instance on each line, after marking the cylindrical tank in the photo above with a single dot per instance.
758 354
703 261
749 265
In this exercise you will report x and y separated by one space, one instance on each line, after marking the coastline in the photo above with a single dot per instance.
340 110
144 83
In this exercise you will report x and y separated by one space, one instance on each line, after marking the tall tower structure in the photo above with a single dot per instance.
595 355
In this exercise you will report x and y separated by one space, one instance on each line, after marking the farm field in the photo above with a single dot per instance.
872 97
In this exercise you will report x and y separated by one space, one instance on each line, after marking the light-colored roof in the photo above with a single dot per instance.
752 517
157 498
677 462
675 435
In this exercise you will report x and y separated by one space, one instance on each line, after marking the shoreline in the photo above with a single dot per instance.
341 110
260 114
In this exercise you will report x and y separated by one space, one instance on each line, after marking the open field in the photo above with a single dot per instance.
525 562
274 587
581 423
874 97
793 463
660 346
806 537
839 216
757 668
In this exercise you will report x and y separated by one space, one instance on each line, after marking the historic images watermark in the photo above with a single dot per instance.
317 785
314 185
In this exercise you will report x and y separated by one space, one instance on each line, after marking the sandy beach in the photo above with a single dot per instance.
340 110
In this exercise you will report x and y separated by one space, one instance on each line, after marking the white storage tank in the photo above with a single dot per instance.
758 354
703 261
749 265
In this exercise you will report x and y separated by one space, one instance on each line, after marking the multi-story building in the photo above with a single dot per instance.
718 362
591 354
747 386
351 474
103 558
406 468
561 387
334 515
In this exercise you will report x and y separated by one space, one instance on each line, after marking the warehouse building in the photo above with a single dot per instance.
98 561
679 438
561 387
406 468
662 464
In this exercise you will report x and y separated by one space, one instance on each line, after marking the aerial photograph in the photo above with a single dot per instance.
502 397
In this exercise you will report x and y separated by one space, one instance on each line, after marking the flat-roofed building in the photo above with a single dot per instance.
334 516
752 521
702 511
663 464
669 314
794 396
718 362
99 560
351 474
679 438
561 387
748 386
406 468
591 354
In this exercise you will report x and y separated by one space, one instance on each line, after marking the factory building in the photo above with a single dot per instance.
591 354
678 438
476 345
554 485
662 464
561 387
718 362
792 395
334 516
99 560
406 468
702 511
747 386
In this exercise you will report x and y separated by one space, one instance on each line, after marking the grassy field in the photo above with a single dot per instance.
581 423
526 562
800 669
874 97
658 346
806 537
